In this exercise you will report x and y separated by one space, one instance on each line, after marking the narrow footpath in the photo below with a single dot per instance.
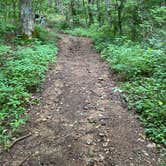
81 120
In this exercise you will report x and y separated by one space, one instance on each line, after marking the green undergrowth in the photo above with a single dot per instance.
143 77
22 70
6 27
142 71
86 32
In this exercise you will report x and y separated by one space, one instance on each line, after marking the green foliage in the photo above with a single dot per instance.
44 35
24 69
87 32
29 64
40 36
143 72
62 25
132 61
147 95
6 27
4 51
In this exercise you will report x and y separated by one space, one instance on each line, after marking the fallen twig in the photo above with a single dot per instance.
19 139
22 162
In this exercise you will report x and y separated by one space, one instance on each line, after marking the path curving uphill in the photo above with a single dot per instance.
81 120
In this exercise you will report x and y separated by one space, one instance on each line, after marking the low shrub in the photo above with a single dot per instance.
24 69
87 32
6 27
4 52
144 82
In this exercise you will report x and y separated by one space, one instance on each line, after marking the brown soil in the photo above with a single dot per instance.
81 120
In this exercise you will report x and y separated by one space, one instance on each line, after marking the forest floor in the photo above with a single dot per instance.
81 120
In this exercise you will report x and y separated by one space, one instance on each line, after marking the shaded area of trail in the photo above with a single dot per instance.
81 120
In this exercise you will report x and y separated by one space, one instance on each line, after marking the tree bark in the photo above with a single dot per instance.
108 11
99 14
120 7
85 13
27 17
59 4
90 13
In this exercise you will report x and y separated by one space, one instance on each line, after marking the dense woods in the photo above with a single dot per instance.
130 34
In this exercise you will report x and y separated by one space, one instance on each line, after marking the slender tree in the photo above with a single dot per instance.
27 17
90 13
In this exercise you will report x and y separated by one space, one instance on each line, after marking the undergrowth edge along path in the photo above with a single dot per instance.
81 120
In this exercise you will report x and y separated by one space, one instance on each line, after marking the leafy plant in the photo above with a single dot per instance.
24 70
143 72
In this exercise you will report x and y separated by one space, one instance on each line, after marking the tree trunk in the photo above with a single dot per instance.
108 12
90 13
120 7
59 4
27 17
14 4
85 13
135 22
99 14
73 12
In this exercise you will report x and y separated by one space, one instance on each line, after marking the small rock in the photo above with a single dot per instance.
81 113
71 125
107 152
92 162
98 126
102 109
69 146
142 136
89 142
140 140
85 108
76 138
91 153
101 116
37 152
145 153
103 123
101 79
49 117
44 119
148 161
151 145
112 148
98 140
102 135
101 158
91 120
105 144
36 133
102 97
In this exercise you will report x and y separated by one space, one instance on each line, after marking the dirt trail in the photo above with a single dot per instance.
81 121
